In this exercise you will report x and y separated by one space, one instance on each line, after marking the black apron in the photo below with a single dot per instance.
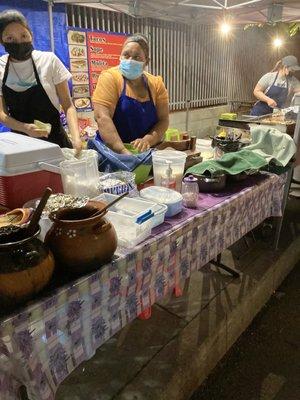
32 104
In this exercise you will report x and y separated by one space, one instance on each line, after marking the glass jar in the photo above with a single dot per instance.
190 191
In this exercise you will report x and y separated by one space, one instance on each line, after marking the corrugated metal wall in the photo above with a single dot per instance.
199 67
251 56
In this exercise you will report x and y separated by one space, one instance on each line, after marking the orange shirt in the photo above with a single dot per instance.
110 85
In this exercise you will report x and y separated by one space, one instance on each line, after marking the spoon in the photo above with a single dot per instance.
98 212
31 229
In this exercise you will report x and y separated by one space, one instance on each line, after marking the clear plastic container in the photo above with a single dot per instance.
136 209
190 191
165 159
81 177
172 199
131 218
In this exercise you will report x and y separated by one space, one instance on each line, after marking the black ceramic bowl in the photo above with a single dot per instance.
211 184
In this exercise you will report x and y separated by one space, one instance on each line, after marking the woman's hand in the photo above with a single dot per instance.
272 103
33 131
77 146
141 144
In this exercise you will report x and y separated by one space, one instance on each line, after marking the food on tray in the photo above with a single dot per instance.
78 37
42 125
78 64
77 51
80 77
277 119
81 90
60 200
83 102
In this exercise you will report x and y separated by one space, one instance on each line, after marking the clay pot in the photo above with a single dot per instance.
79 241
26 267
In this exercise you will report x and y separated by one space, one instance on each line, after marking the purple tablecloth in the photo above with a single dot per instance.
41 345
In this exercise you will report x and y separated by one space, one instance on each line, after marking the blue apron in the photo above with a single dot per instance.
277 93
134 119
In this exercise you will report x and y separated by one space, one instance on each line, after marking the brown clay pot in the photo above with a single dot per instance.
26 267
79 241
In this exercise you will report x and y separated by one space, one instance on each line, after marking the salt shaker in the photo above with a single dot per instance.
190 191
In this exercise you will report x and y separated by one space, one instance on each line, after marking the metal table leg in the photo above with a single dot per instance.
220 265
284 201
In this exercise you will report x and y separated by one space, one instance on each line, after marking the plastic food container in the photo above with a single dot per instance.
172 199
190 191
131 219
162 159
23 168
118 183
137 209
81 177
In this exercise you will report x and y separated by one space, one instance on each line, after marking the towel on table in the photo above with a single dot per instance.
230 163
272 144
109 161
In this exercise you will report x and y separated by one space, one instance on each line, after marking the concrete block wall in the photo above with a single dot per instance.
202 121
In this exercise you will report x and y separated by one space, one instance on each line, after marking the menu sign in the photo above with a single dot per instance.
104 50
90 53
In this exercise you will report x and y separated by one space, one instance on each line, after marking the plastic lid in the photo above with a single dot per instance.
161 195
190 179
169 155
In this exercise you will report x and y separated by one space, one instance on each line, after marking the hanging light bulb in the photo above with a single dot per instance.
277 42
225 28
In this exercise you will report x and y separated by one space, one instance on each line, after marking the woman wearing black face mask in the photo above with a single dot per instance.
276 88
33 84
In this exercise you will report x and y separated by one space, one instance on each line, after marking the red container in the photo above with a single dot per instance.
21 175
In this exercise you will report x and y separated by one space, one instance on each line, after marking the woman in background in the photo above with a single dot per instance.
276 89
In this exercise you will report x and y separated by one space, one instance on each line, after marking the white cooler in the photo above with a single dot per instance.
25 168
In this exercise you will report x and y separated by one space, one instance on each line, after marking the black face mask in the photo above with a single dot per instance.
19 51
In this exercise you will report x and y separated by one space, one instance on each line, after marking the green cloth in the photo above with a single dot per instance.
230 163
272 144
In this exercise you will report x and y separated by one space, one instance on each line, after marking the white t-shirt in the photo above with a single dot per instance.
267 80
50 69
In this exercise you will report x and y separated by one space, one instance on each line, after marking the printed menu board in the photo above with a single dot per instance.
104 51
90 53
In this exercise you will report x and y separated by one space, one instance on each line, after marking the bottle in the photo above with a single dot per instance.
190 191
168 180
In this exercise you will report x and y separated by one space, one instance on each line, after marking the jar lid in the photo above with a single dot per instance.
190 179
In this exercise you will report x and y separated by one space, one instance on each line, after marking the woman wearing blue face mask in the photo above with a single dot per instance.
131 105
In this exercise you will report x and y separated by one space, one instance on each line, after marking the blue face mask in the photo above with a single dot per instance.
131 69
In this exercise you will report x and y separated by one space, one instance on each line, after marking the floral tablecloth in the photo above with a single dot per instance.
50 337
